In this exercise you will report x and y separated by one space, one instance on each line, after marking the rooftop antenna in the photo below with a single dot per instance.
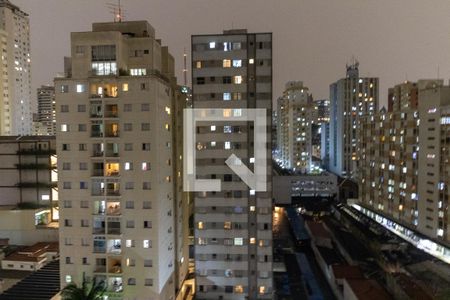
438 72
117 10
185 67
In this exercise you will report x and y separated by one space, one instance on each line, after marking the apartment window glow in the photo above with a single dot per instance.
213 128
212 45
238 241
226 96
125 87
226 63
146 244
80 88
237 63
227 145
64 127
238 79
251 61
138 72
198 64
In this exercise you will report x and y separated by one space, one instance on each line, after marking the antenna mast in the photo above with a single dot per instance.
185 67
117 10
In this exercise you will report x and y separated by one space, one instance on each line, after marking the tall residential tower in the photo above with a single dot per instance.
115 140
233 227
351 98
17 107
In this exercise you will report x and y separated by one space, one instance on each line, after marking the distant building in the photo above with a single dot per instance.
46 113
233 227
28 171
404 158
31 258
295 113
118 110
321 116
403 96
351 98
17 106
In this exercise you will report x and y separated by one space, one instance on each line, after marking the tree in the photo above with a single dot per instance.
73 292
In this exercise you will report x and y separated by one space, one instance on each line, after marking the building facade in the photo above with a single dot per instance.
404 159
351 98
17 104
295 111
46 113
28 172
233 227
115 136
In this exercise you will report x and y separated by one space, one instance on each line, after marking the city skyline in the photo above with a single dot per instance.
319 24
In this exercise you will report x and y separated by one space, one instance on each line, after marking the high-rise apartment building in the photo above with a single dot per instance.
46 115
404 158
434 165
351 98
295 111
117 167
233 227
17 109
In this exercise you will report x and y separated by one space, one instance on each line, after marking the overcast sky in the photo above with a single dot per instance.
312 39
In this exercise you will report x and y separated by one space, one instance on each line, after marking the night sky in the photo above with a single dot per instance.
313 39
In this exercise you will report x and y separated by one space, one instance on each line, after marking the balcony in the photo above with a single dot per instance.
115 285
112 130
99 208
112 150
96 109
114 246
113 209
99 246
111 111
114 227
112 192
103 91
112 169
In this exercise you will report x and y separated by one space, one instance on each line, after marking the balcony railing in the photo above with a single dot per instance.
111 114
38 152
35 166
100 269
99 250
111 192
36 184
99 230
112 133
96 134
114 230
97 172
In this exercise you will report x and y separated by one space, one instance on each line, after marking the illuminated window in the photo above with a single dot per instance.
252 208
227 225
200 225
227 113
238 241
226 63
251 61
226 129
238 289
252 240
226 96
145 166
147 244
237 63
64 127
213 127
198 64
262 289
238 79
81 88
138 72
227 145
125 87
237 112
212 45
167 109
